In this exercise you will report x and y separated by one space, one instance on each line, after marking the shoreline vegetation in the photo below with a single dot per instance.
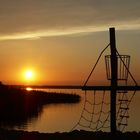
17 105
74 135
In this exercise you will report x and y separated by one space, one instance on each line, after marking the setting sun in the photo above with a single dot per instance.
29 75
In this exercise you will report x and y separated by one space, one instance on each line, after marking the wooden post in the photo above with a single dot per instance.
113 81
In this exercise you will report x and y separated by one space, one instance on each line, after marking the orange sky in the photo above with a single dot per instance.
63 60
60 41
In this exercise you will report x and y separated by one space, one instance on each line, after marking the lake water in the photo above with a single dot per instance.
63 117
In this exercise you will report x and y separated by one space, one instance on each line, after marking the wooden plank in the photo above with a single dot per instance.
128 88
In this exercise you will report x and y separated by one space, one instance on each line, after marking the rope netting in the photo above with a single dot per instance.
124 98
95 113
96 109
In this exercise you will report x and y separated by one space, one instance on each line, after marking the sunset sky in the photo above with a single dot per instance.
60 40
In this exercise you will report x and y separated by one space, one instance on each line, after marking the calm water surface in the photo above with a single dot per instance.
62 117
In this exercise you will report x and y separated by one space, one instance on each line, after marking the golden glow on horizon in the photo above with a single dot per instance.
29 89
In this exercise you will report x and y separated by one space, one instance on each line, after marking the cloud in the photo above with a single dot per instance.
22 19
71 31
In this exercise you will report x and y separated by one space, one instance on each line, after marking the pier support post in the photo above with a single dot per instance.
113 81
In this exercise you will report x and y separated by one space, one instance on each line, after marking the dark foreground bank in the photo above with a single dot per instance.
74 135
18 106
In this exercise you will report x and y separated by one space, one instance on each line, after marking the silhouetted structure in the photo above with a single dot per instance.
114 83
113 73
114 88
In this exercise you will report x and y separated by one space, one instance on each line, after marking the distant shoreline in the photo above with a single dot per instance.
17 105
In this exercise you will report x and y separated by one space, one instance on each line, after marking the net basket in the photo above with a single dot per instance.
123 62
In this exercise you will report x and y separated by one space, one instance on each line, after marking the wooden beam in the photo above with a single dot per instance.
128 88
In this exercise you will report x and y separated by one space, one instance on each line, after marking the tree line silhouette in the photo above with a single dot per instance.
18 105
